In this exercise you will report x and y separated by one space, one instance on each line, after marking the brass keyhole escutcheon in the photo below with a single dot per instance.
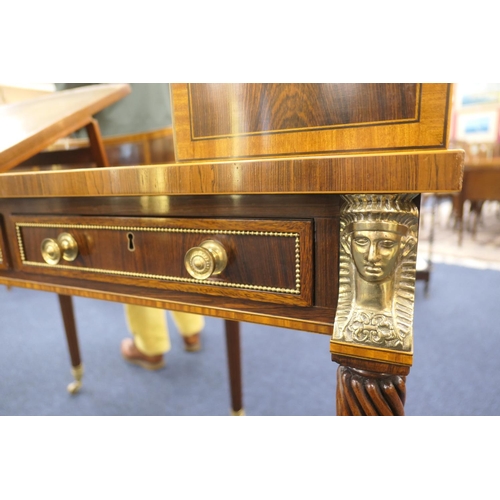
64 246
206 260
131 246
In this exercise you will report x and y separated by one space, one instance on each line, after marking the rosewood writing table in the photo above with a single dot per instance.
293 205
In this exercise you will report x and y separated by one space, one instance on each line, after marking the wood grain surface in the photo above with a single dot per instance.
415 172
288 106
219 121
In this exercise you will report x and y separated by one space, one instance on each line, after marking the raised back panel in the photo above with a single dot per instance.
287 107
217 121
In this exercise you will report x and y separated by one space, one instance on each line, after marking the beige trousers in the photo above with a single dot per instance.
148 326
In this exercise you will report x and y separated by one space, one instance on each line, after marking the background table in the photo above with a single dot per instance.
30 126
481 182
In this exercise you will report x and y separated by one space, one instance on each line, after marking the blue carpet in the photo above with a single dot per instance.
285 372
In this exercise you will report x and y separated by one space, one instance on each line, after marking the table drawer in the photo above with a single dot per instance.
267 260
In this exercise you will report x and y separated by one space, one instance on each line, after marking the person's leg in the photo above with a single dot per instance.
190 327
149 330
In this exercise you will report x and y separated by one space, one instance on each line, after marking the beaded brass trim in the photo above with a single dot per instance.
295 290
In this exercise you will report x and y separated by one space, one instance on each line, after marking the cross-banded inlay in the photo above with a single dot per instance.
245 286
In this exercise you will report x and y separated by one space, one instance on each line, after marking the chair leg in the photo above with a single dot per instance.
234 365
66 304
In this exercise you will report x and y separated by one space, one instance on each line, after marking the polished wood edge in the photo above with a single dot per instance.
374 366
432 171
229 314
371 353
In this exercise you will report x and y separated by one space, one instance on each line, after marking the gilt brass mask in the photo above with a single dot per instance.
378 252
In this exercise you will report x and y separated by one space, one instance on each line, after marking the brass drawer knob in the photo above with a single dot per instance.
65 246
206 260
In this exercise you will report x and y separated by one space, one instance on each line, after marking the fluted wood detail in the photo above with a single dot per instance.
365 393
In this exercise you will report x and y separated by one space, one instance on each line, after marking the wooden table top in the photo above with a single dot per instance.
34 125
30 126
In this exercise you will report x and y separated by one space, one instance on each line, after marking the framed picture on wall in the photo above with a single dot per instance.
477 95
480 127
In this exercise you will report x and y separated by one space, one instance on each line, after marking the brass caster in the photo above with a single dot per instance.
239 413
77 372
74 387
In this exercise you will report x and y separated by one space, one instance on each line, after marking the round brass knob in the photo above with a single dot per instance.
51 252
65 246
206 260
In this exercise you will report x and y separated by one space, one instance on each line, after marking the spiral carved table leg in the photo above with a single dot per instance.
361 392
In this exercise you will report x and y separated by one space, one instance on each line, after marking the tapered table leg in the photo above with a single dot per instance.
66 303
234 365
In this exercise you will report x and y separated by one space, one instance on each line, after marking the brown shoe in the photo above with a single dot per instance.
192 343
131 354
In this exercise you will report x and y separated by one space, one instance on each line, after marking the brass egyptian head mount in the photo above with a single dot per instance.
378 244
